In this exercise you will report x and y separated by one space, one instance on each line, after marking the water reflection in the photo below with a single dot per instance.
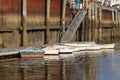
82 67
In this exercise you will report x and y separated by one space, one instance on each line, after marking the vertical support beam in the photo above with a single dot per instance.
24 22
95 22
86 4
89 21
86 21
63 16
116 28
83 30
47 21
92 21
113 26
100 25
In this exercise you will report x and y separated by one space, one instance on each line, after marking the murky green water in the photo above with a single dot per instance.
90 66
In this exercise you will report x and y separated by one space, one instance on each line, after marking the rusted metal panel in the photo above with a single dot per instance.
106 15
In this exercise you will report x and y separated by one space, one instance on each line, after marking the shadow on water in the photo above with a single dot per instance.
105 66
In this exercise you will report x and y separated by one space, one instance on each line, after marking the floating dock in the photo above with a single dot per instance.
56 51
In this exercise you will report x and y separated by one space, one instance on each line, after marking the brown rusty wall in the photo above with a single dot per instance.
55 12
10 20
36 13
106 16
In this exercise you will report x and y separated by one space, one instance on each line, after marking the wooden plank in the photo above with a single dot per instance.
24 17
63 15
73 26
1 41
47 21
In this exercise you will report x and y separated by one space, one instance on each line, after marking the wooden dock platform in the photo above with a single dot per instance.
54 51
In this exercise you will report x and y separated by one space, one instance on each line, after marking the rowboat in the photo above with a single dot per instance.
108 46
32 52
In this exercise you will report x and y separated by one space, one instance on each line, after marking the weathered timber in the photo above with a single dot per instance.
73 26
96 22
83 30
47 21
100 25
89 23
24 19
119 26
63 15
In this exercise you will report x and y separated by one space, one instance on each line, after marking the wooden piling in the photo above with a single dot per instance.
24 22
116 29
86 23
118 26
100 25
95 22
113 26
83 30
63 16
47 21
89 22
92 21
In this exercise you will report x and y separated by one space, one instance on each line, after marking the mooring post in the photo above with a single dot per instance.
92 21
100 25
95 22
113 20
89 21
116 29
63 16
47 21
118 26
24 22
86 22
24 74
83 30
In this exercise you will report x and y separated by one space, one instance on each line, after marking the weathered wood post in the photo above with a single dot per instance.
47 21
92 21
95 23
118 26
116 29
24 22
100 25
63 16
83 30
89 22
113 26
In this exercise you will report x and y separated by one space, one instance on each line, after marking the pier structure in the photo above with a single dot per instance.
39 22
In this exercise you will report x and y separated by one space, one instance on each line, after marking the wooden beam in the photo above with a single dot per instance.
47 21
89 25
24 22
100 25
118 26
96 18
63 15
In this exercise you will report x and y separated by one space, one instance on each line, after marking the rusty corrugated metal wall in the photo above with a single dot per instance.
11 22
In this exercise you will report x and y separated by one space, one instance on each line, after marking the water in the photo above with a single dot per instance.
88 66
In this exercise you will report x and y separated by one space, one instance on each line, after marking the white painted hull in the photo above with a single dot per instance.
107 46
51 52
51 57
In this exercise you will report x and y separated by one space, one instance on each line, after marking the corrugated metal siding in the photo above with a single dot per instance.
11 23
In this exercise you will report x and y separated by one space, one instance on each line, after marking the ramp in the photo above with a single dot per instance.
73 26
